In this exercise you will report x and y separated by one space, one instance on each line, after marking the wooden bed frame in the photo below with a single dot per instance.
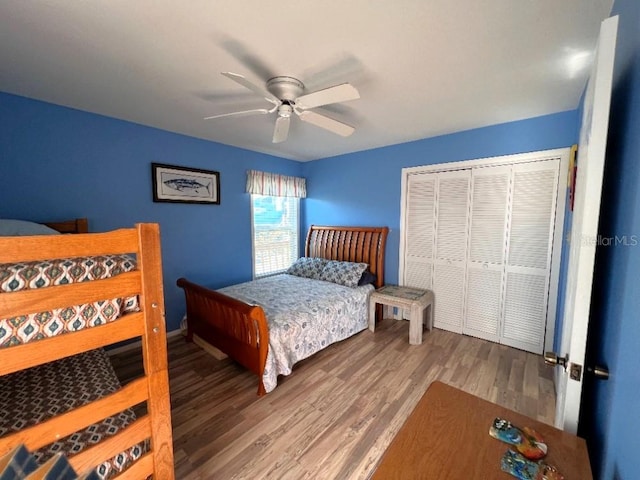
79 225
240 330
148 324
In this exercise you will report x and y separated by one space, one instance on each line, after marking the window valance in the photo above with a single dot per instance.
273 184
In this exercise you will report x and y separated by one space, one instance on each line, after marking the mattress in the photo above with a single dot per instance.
304 317
34 395
30 275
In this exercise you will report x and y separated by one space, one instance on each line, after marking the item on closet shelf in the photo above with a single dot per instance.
517 465
526 440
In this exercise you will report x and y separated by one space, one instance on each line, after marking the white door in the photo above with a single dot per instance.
485 264
419 238
584 230
532 216
452 212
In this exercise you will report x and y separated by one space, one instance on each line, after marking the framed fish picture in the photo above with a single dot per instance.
185 185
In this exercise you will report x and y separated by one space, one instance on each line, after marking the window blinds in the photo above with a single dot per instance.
274 215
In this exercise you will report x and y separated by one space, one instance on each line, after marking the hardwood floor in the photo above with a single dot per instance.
338 411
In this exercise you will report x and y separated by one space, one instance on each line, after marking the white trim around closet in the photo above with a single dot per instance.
563 154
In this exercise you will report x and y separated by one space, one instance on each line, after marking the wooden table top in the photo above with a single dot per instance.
447 437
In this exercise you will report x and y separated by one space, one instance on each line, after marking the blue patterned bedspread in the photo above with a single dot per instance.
304 316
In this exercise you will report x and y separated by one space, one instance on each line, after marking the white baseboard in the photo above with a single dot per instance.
174 333
138 344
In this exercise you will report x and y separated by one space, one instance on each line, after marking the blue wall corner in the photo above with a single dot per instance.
363 188
64 163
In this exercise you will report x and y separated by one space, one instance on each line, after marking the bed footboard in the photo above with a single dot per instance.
236 328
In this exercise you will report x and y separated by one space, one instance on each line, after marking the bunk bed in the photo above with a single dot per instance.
51 339
246 321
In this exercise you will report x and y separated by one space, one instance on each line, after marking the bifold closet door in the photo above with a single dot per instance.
451 229
419 221
482 239
485 265
529 250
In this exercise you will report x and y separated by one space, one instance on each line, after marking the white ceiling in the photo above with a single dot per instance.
422 67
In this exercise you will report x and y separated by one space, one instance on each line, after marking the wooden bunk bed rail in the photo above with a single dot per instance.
60 296
36 437
47 247
47 350
148 325
241 330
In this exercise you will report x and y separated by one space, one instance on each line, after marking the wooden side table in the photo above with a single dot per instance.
416 300
447 436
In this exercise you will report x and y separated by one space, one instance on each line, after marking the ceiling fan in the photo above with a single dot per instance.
284 93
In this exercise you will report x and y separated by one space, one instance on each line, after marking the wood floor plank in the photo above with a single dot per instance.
339 410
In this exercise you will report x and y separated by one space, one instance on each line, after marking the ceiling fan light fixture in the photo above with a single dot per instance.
285 93
285 110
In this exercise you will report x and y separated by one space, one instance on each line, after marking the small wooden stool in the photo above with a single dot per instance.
415 300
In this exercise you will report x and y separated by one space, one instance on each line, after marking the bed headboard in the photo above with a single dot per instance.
79 225
350 244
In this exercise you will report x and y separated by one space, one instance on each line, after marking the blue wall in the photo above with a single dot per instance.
64 163
611 410
60 163
364 188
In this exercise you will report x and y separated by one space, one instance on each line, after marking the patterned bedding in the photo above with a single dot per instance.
34 395
29 275
304 316
31 396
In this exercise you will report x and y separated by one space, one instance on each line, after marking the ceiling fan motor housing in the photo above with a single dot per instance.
285 88
285 94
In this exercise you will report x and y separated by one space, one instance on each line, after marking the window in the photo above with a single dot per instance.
274 217
275 233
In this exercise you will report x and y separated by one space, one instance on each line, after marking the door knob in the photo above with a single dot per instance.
552 358
599 371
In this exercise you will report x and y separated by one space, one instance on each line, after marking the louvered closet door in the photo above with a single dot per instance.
532 217
485 265
452 209
419 221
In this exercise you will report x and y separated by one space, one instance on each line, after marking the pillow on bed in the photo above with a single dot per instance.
308 267
343 273
16 228
367 278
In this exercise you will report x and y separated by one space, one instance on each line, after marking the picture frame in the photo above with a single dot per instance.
175 184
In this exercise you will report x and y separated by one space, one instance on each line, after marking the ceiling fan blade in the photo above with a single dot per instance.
281 132
240 114
338 93
327 123
251 86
